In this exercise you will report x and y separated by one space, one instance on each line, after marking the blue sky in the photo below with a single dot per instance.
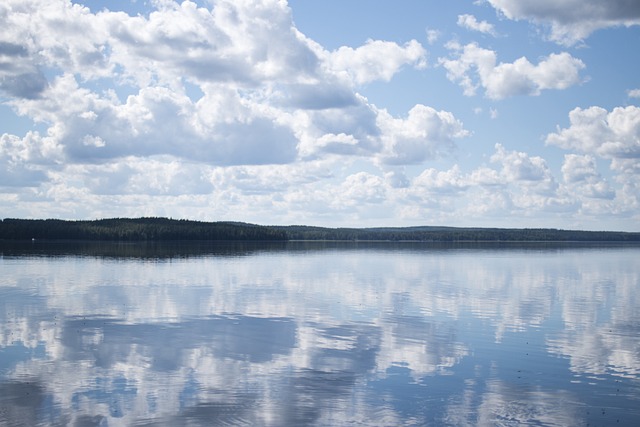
468 113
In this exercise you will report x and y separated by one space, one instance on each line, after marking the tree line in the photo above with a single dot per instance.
161 229
136 229
456 234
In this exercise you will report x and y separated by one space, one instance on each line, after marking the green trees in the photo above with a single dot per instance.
158 229
124 229
454 234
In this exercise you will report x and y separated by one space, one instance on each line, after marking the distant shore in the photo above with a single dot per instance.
161 229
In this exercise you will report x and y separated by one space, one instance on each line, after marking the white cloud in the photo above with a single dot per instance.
521 77
612 135
519 166
242 42
528 182
262 91
157 120
443 182
376 60
433 35
425 134
24 161
471 23
581 175
571 21
594 130
396 177
363 187
485 176
155 176
578 168
38 34
350 131
230 110
633 93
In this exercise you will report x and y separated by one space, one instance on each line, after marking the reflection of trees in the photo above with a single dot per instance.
138 250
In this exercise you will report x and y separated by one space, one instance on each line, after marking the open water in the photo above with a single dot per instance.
321 334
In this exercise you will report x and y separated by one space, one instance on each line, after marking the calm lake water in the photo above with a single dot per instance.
295 334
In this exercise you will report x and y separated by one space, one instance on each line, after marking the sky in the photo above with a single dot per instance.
490 113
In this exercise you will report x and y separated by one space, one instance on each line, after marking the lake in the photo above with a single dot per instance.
323 334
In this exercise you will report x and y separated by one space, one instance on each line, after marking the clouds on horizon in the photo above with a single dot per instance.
216 112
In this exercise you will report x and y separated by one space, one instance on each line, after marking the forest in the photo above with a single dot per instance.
164 229
135 229
456 234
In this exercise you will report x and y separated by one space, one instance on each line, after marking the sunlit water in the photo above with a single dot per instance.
319 334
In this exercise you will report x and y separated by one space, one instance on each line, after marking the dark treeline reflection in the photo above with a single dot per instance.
148 250
165 250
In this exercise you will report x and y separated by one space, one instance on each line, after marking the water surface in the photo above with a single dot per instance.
290 334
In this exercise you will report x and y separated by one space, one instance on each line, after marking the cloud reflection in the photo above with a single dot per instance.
316 337
502 404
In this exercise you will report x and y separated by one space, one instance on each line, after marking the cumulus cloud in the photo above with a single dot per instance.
155 176
425 134
157 120
485 176
473 67
363 187
611 134
444 182
199 112
38 34
633 93
580 174
578 168
571 21
242 42
519 166
527 180
19 77
231 85
24 161
348 131
232 105
376 60
471 23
